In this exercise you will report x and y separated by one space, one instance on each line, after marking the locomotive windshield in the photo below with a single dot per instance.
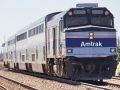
102 21
75 21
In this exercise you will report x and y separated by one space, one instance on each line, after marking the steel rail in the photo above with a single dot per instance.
102 85
3 87
96 86
115 85
20 83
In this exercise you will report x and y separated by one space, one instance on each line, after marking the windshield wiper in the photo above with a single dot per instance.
70 20
95 21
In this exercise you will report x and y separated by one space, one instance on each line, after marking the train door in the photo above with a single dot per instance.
54 41
60 34
58 41
48 43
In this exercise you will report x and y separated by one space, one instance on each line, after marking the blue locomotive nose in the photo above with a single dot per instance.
90 58
102 44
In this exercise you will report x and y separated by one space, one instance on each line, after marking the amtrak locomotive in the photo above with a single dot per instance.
78 43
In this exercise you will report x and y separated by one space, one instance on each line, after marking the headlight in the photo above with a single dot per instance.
69 50
112 50
91 35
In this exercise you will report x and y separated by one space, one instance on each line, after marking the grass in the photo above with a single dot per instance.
118 69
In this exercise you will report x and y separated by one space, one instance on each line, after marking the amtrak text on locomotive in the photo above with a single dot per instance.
91 44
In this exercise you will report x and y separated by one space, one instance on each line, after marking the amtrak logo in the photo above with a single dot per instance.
91 44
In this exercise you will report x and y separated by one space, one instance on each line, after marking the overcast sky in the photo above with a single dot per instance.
16 14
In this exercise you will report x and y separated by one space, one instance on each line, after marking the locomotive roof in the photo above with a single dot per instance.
59 15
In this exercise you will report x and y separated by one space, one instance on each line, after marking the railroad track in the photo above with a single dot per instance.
27 87
95 86
102 86
116 77
98 85
3 88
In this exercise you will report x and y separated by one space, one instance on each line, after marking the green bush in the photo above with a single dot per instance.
118 53
118 73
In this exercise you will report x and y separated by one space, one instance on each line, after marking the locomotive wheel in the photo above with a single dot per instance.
4 64
48 67
30 67
14 67
17 66
61 68
8 66
64 71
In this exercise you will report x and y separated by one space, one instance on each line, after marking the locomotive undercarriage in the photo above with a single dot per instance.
82 68
56 67
90 68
